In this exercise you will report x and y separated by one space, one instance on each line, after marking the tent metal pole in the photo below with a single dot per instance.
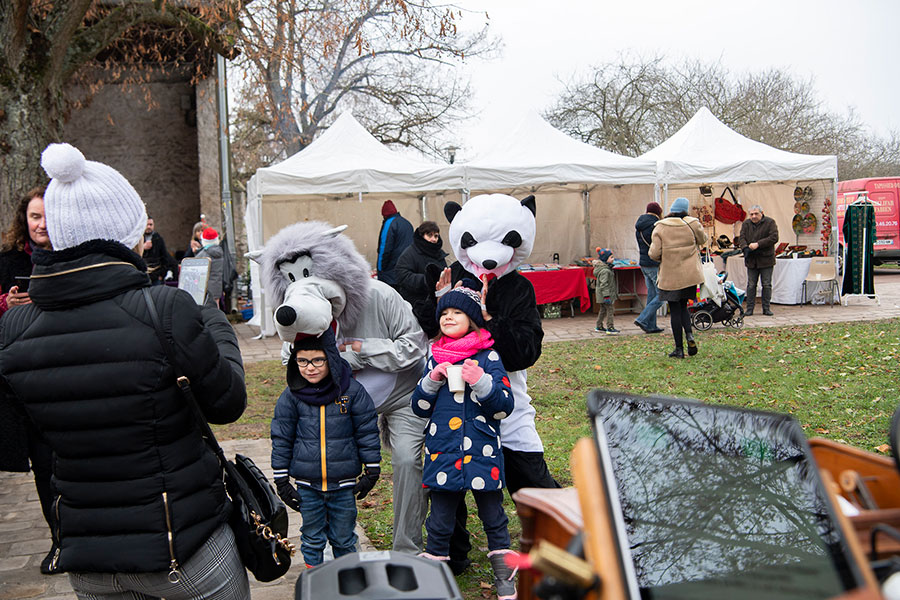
833 239
262 289
665 198
423 211
586 203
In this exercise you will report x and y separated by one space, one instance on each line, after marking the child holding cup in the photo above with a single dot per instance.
465 392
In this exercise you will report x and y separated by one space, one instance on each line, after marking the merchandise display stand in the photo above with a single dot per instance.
862 199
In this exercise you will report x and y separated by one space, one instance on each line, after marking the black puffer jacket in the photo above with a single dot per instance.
86 362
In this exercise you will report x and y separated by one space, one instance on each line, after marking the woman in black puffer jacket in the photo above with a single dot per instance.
139 492
412 282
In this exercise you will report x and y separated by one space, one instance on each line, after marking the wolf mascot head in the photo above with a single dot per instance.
491 234
315 277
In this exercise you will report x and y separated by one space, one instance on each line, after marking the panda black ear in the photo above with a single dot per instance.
528 203
450 210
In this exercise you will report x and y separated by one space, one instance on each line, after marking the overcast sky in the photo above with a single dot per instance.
851 48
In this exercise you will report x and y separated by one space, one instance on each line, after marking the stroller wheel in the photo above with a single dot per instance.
702 320
737 322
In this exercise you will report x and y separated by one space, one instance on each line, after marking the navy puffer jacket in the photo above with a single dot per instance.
643 232
323 442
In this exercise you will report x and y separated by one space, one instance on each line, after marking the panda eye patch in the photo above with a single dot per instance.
512 239
467 241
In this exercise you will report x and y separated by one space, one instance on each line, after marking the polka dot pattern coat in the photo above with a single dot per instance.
462 443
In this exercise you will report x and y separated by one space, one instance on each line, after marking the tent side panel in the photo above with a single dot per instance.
614 210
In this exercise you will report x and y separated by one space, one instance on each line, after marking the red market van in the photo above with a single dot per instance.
884 192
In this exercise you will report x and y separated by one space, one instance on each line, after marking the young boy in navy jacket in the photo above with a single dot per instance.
324 434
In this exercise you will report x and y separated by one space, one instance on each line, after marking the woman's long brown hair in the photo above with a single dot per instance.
17 234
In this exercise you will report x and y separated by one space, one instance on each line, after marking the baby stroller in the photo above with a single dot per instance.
730 312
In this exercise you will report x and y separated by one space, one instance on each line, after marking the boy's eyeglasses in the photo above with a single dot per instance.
316 362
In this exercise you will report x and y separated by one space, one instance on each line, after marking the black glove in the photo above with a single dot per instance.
288 492
366 482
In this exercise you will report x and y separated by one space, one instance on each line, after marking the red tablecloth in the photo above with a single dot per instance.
560 285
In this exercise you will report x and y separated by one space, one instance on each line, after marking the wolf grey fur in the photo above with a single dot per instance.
334 257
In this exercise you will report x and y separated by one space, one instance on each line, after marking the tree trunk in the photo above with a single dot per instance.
29 120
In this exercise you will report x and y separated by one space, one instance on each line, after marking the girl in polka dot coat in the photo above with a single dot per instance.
465 392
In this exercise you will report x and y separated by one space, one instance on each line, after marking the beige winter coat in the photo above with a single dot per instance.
674 244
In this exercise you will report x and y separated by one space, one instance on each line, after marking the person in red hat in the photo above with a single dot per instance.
211 249
395 236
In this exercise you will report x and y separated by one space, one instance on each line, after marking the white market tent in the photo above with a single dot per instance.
586 196
342 177
706 151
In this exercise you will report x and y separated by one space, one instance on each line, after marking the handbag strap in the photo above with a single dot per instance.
733 199
184 384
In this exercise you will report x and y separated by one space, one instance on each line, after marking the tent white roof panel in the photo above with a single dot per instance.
707 150
535 153
348 159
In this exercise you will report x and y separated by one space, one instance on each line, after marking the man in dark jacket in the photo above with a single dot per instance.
643 231
759 235
160 264
395 236
139 491
411 282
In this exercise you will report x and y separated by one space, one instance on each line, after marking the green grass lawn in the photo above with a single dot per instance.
839 381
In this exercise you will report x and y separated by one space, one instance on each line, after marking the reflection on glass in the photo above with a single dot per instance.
721 503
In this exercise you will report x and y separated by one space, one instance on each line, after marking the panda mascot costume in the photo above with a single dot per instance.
491 235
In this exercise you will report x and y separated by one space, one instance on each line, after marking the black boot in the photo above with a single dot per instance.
677 353
692 344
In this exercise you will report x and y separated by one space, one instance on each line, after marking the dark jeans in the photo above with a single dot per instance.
766 275
327 516
647 318
523 469
442 519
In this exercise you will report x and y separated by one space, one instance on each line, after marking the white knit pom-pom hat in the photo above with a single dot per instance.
88 200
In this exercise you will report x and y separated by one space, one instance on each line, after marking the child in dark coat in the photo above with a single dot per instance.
324 433
465 392
606 291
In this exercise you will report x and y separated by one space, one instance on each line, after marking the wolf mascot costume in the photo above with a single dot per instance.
317 279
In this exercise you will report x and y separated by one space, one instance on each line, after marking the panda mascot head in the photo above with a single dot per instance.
491 234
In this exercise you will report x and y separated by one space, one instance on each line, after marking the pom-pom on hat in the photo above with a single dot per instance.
465 299
654 208
209 236
681 205
603 254
388 208
88 200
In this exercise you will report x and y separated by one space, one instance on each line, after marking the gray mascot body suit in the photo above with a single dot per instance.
317 280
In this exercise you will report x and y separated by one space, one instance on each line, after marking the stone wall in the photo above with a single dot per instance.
158 149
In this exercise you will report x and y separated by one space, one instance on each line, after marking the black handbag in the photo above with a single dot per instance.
258 518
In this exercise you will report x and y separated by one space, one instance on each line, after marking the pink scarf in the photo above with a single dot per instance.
447 349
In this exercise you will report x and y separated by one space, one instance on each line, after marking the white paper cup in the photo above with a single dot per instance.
455 381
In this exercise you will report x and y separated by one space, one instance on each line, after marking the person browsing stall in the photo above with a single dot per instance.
643 232
324 434
676 245
606 291
759 235
463 435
